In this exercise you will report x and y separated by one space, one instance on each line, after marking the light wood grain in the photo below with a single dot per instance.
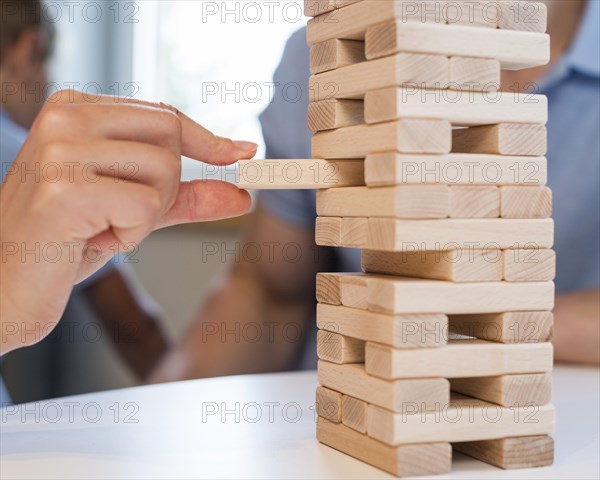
453 265
299 174
525 202
404 136
335 53
529 265
415 295
329 231
400 331
522 15
395 395
508 327
474 74
482 13
502 139
509 453
402 461
354 413
333 113
337 348
402 201
460 358
507 390
329 404
463 420
513 49
354 81
354 231
329 287
458 107
391 168
313 8
474 202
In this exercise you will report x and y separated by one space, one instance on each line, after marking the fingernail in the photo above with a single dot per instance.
246 146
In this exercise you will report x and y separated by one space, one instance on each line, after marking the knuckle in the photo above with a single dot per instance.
53 117
53 152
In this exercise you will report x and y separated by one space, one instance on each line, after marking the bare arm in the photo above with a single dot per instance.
576 335
258 319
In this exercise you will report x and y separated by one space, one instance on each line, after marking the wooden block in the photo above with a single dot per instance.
335 53
525 202
352 21
337 348
482 13
332 113
402 201
354 413
354 231
354 81
474 74
404 136
503 139
459 108
474 202
529 265
390 168
415 295
313 8
522 15
328 231
514 452
329 286
514 50
508 327
329 404
400 331
454 265
507 390
460 358
397 395
299 174
354 291
402 461
465 419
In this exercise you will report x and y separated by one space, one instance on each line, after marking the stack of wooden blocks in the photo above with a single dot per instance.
443 342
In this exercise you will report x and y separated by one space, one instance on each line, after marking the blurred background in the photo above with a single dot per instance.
212 59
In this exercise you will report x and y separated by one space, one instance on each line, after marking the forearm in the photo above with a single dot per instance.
242 329
576 335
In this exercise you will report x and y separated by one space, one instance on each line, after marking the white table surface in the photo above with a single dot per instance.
166 436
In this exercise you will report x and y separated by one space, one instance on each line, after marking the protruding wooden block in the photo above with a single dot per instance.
391 168
459 108
404 136
514 50
522 15
507 390
482 13
355 231
415 295
460 358
514 452
332 113
402 461
474 202
328 231
354 291
465 419
299 174
329 404
525 202
335 53
400 331
402 201
503 139
354 81
474 74
337 348
329 287
508 327
313 8
454 265
405 395
354 413
529 265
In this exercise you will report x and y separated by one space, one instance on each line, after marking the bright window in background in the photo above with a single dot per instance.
214 60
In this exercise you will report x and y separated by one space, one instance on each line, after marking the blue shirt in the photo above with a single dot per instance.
573 90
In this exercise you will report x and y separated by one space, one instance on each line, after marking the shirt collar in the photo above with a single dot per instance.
584 54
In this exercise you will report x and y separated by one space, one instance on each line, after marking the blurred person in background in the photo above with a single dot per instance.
124 312
276 292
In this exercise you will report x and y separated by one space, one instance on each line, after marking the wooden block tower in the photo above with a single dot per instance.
443 342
